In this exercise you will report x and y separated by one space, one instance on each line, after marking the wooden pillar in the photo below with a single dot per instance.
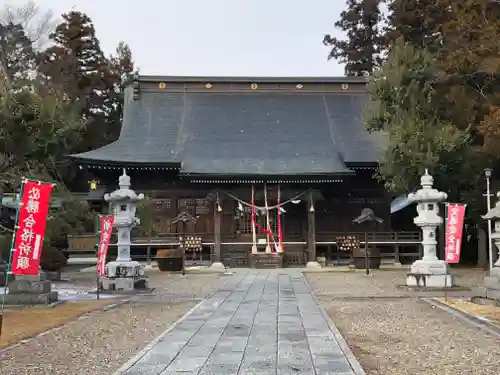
217 225
482 248
311 229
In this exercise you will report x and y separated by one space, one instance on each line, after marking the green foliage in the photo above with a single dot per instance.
149 220
37 131
404 106
360 51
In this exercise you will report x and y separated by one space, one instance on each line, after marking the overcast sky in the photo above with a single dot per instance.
215 37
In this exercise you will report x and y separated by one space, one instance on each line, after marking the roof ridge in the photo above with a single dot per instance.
253 79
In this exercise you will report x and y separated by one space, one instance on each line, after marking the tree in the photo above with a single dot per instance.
76 64
361 51
404 101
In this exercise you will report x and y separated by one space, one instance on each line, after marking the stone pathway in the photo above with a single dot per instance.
260 322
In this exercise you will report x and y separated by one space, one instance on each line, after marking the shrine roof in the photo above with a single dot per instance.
237 125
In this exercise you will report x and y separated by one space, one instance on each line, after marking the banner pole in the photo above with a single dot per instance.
9 265
445 257
98 278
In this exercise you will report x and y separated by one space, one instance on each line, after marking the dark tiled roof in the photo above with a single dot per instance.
266 133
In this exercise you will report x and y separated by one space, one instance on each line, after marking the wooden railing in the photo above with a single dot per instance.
395 246
84 245
88 241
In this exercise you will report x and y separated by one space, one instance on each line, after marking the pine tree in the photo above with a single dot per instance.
122 71
364 44
76 63
418 22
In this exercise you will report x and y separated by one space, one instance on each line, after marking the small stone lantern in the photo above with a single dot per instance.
123 273
429 271
492 282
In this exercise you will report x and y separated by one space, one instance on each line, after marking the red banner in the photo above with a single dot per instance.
105 229
454 231
30 229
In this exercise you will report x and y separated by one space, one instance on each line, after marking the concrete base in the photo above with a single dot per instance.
492 287
430 280
314 265
217 266
53 275
31 290
32 299
123 284
31 287
495 272
429 267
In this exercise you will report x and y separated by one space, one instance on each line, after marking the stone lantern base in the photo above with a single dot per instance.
492 285
430 274
124 276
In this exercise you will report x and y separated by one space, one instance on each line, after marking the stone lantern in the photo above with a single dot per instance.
492 282
429 271
124 273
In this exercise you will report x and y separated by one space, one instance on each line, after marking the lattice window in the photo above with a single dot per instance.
202 207
356 200
163 204
186 205
244 221
375 200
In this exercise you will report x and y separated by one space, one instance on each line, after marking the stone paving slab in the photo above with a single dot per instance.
259 322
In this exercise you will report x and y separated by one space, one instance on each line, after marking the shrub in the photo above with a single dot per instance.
73 216
5 243
52 259
149 220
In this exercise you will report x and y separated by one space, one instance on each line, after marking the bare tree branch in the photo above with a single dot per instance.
38 23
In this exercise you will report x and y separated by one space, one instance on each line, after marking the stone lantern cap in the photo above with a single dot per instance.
124 193
427 193
494 212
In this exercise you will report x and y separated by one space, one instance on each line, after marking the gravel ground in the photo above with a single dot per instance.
101 343
399 334
381 283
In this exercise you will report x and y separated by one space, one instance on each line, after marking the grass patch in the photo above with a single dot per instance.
22 323
490 312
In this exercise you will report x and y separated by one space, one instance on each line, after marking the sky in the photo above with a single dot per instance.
215 37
